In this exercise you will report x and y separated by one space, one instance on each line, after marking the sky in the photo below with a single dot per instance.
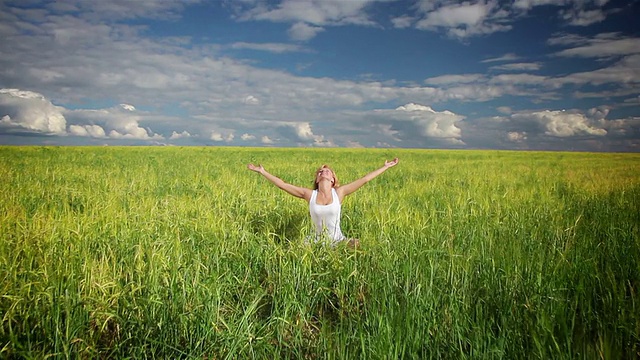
520 75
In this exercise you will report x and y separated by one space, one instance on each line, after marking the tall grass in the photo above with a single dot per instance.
183 253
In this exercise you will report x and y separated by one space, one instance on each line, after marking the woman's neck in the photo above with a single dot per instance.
325 186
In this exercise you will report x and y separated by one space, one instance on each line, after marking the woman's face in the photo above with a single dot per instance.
324 173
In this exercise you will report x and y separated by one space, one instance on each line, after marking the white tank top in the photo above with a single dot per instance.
326 217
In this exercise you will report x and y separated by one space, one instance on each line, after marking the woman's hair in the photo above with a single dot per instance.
315 177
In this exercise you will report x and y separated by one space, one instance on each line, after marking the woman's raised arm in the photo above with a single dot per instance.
351 187
296 191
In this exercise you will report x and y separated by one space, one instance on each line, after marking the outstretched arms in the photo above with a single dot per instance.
296 191
349 188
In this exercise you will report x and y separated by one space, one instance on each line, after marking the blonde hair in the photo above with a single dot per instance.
335 178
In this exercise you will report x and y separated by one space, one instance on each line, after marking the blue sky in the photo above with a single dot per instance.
523 74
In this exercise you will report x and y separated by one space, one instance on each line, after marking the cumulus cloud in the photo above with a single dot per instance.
428 122
515 136
128 107
560 123
116 61
387 130
554 129
354 144
624 128
302 133
251 100
247 137
31 111
433 123
93 131
118 122
219 137
175 135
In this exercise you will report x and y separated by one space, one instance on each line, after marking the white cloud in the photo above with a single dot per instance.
625 72
517 67
524 79
175 135
504 109
277 48
128 107
402 22
216 136
303 32
473 18
387 130
459 19
584 17
433 123
505 57
530 4
80 58
627 127
247 137
308 17
515 136
430 123
32 111
454 15
462 20
251 100
353 144
561 123
317 12
94 131
159 9
454 79
302 133
118 122
382 144
575 12
266 140
601 46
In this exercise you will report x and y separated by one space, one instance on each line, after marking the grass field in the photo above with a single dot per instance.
147 252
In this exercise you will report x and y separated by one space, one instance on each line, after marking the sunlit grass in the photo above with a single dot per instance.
183 252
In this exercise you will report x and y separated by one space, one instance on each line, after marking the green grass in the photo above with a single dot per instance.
184 253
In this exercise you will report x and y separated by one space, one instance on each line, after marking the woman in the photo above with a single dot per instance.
325 199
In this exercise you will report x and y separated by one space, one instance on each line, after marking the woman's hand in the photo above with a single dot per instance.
258 169
391 163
